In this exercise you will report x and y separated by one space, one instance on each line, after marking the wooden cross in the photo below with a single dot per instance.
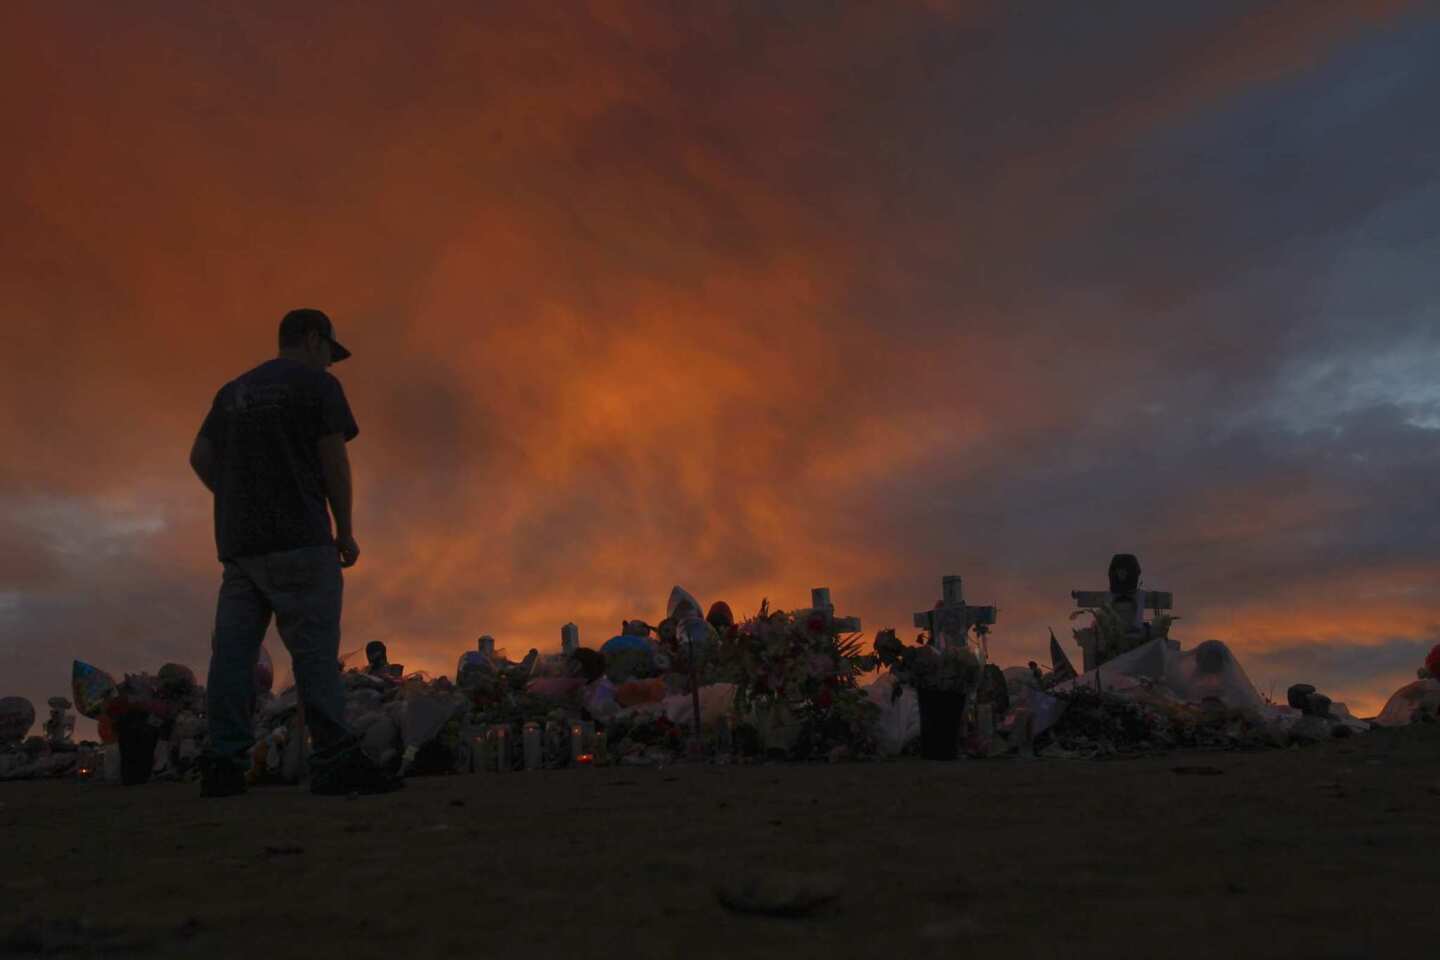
953 618
820 603
569 639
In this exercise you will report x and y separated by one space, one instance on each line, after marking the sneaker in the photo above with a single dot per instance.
220 778
349 770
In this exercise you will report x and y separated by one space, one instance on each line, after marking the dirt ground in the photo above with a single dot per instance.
1317 853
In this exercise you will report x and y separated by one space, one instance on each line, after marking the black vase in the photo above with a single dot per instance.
137 737
940 714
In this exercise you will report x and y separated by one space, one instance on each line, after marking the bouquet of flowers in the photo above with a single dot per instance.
1114 634
926 667
795 676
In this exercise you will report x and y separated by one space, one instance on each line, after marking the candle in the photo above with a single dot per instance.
577 742
556 749
502 748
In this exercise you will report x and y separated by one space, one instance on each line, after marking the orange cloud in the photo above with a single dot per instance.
636 296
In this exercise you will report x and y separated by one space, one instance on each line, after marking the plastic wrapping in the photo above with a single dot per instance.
899 716
1211 672
1207 672
682 605
599 700
717 701
424 718
1410 702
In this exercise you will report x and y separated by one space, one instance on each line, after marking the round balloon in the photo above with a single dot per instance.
17 716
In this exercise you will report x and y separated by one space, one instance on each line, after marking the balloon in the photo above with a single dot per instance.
93 689
17 716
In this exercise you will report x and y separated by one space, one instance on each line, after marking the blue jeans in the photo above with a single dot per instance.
303 590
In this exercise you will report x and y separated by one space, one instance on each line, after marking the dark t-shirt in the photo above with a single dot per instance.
265 427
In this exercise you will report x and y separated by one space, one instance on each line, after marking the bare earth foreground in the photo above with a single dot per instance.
1325 852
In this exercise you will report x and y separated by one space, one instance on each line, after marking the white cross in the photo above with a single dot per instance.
953 618
1157 600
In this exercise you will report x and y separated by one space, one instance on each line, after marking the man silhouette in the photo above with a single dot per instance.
272 451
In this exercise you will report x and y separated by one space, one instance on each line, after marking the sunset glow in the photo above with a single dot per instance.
751 298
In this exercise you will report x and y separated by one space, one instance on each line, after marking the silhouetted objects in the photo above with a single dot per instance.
821 606
1298 695
93 689
1124 574
940 714
720 616
264 671
1211 657
592 663
138 732
1305 698
1416 701
17 716
682 605
1060 666
377 662
60 728
176 680
628 656
1129 602
994 690
569 639
952 618
377 658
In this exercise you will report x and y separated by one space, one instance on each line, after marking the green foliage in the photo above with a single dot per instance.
1113 632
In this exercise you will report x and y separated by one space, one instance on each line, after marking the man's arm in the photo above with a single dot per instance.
202 461
335 465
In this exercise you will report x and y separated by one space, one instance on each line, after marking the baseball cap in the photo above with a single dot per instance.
299 322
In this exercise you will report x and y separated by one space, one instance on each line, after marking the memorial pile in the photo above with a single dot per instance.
699 685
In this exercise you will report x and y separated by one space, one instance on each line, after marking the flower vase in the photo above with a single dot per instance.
778 727
941 712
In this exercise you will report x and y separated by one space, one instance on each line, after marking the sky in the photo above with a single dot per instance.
747 297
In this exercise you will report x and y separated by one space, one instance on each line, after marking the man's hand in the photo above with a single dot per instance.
349 550
202 461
